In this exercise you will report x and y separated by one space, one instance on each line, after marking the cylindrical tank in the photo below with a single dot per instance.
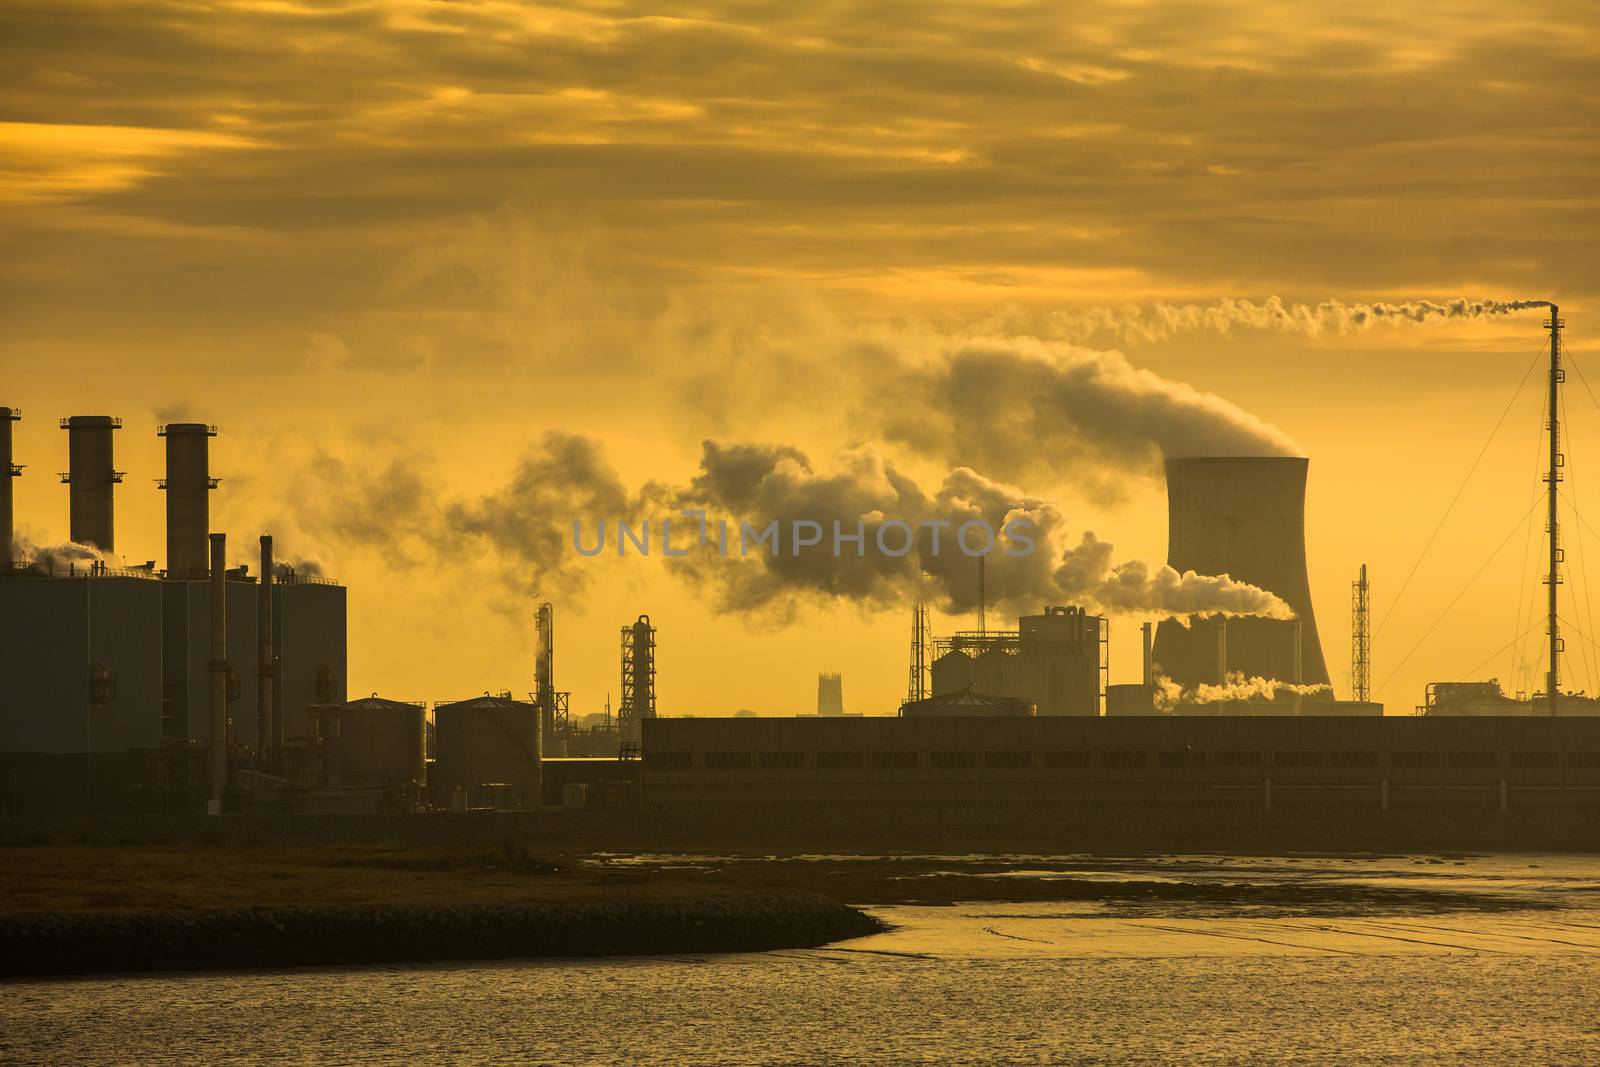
381 740
91 473
188 485
487 741
8 471
1243 516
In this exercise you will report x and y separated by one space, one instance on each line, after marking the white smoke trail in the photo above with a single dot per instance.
1133 324
1169 694
57 559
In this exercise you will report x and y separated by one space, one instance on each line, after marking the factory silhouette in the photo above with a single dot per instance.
204 688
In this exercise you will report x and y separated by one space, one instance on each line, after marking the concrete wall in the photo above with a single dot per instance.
51 630
1135 759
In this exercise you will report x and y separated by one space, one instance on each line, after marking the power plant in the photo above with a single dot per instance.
200 687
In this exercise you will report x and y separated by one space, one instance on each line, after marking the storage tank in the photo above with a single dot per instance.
1243 516
483 745
373 741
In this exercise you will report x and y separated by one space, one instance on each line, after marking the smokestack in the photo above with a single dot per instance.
266 662
544 678
219 671
8 471
1243 516
188 484
1222 650
91 475
1149 660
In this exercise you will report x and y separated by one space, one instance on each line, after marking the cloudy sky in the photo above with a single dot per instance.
442 271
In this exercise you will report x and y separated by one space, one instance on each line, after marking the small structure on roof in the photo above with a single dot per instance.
968 703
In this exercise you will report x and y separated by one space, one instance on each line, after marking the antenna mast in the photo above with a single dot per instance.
1553 579
1361 638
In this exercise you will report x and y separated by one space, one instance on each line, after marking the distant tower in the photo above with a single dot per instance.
917 683
1361 638
830 694
983 627
1557 460
554 721
638 677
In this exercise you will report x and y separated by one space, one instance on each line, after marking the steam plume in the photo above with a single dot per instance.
526 528
1022 408
1159 322
1169 694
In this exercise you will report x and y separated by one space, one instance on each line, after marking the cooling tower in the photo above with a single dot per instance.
1243 517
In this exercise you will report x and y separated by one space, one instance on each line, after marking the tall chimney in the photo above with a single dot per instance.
1222 650
8 471
1243 516
544 672
91 475
188 484
266 663
218 666
1149 660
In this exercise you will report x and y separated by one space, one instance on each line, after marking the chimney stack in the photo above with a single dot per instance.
267 663
218 666
8 471
91 475
1149 660
188 485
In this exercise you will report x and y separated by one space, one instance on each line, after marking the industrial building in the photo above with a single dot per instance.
1057 661
1488 699
98 660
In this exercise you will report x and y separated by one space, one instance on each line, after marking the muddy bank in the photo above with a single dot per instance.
231 938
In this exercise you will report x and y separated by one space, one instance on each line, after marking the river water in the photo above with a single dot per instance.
1498 960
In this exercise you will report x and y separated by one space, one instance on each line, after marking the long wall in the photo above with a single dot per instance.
1482 762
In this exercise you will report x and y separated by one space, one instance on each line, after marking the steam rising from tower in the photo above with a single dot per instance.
1243 517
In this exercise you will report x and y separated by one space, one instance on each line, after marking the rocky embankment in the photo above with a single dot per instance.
90 942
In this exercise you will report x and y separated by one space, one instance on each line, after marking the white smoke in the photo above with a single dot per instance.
1021 408
57 559
1169 694
1133 324
1087 575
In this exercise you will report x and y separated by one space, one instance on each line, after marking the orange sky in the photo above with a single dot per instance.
388 246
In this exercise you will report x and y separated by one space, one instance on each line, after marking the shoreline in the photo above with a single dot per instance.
40 945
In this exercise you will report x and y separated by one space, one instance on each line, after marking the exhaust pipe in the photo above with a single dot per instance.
219 672
266 664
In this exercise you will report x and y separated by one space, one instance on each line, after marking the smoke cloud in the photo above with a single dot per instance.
1169 694
57 558
525 529
1160 322
1021 407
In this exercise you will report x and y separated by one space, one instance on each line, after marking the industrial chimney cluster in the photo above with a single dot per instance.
166 684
